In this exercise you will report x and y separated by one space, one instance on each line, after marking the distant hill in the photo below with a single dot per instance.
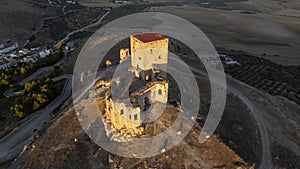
19 18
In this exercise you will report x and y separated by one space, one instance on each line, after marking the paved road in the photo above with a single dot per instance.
10 92
65 76
12 144
266 161
38 72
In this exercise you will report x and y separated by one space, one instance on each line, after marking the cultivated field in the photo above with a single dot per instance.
98 3
258 33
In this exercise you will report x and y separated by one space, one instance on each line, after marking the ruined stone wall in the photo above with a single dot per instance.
124 53
159 93
155 92
123 116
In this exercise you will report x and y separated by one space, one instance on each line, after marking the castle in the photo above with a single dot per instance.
147 51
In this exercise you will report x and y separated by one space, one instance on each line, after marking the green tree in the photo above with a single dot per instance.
6 77
32 66
30 86
48 80
4 82
16 73
42 98
44 88
17 110
23 70
36 105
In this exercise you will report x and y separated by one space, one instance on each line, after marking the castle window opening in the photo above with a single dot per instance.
159 91
135 117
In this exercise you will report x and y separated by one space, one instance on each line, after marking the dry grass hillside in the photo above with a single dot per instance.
19 19
270 28
57 149
40 22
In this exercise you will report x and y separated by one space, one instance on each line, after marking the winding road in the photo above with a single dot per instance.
13 143
83 29
10 92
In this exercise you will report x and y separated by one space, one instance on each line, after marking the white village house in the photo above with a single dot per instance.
8 49
44 53
28 59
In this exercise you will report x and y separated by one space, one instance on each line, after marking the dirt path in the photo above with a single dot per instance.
266 161
82 29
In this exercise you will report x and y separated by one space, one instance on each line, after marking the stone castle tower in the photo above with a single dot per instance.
147 50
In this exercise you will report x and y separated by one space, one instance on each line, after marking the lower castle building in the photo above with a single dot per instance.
129 115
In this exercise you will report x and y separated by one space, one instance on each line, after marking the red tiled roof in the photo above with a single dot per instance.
149 37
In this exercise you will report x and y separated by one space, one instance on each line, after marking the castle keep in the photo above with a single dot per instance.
146 51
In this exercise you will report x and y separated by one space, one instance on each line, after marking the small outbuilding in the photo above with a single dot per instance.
70 46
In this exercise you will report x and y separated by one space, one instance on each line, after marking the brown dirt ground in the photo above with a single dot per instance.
57 149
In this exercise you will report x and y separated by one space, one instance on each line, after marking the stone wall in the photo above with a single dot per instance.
123 116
